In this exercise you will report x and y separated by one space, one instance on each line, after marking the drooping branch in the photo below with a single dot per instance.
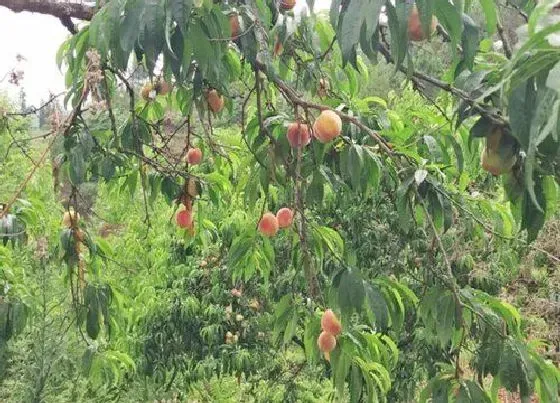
60 10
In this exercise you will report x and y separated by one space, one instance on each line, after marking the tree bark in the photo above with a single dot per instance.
61 10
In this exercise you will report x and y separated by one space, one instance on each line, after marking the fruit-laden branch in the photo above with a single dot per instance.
61 10
296 99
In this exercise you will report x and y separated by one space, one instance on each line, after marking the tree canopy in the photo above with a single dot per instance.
295 191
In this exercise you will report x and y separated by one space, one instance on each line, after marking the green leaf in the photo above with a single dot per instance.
92 321
398 26
129 29
521 107
153 32
355 165
356 384
312 330
489 9
550 191
291 327
180 10
77 168
378 306
540 129
426 12
350 25
350 292
341 361
470 39
450 18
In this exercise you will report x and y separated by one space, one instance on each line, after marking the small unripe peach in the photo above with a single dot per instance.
327 126
229 338
229 309
194 156
278 48
298 135
324 87
287 4
326 342
234 25
148 92
69 218
330 323
268 225
415 30
192 189
254 304
215 101
184 219
285 217
238 317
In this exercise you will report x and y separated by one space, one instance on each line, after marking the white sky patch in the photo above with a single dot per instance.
37 37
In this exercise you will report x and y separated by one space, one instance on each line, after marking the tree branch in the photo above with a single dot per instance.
481 108
505 40
62 10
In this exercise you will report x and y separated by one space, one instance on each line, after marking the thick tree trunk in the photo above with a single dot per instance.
61 10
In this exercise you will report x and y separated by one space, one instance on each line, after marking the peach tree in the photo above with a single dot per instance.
292 83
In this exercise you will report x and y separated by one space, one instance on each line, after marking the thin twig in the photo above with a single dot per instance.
68 124
505 40
34 110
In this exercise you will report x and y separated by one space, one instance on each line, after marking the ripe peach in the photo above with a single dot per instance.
287 5
80 235
268 225
215 101
235 292
326 343
298 135
493 162
415 30
330 323
148 92
69 218
234 25
184 219
327 126
194 156
285 216
163 88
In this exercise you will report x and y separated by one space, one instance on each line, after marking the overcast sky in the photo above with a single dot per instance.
37 37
